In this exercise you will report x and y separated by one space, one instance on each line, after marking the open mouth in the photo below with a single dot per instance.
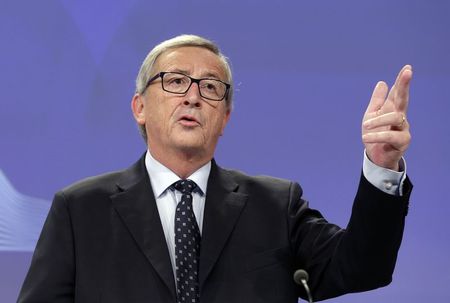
188 120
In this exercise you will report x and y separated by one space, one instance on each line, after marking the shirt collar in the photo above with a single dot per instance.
161 177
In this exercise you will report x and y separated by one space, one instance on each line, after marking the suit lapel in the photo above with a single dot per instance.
136 206
222 210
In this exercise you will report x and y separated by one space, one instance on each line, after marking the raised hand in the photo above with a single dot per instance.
385 128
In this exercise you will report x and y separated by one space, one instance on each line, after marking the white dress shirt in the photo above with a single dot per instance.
161 179
387 180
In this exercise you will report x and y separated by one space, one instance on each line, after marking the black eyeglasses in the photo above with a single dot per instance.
178 83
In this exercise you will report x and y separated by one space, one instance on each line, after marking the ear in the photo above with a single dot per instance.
137 107
226 118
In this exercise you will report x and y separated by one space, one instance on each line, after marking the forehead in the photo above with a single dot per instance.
192 60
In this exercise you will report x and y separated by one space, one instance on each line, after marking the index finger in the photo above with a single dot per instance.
393 90
401 97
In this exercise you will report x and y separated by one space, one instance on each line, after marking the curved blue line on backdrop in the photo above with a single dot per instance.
21 218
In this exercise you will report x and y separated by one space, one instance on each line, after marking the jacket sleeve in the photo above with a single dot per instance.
51 276
358 258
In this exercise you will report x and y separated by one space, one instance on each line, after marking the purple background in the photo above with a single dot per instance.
304 72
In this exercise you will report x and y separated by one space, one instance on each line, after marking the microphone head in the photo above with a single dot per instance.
300 275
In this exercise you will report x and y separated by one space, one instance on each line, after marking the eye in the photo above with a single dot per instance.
176 82
210 85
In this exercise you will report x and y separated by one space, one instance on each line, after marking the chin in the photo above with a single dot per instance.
189 144
192 150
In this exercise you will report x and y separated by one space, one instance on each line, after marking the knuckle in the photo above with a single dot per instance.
408 137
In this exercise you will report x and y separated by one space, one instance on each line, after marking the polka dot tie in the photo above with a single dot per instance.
187 245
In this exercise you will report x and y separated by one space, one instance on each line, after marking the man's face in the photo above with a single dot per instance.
183 123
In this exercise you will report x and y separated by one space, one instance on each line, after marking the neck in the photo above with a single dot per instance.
183 164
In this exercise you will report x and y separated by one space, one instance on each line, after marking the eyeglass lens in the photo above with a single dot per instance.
179 84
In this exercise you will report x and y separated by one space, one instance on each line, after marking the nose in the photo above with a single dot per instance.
192 97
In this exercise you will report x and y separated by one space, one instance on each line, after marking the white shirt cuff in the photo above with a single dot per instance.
386 180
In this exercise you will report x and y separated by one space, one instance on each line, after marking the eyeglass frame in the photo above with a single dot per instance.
193 80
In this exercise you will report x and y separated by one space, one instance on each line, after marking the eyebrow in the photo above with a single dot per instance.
207 75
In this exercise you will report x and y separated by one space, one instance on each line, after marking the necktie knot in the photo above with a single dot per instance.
185 186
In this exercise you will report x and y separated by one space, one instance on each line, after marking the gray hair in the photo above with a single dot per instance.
146 70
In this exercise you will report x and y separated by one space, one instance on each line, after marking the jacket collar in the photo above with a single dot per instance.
224 205
135 203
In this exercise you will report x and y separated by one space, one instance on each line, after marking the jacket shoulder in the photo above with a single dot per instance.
106 184
262 183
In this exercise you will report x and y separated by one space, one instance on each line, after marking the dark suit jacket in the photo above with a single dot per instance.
103 242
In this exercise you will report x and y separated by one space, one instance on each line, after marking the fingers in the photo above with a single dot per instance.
392 119
378 97
396 100
399 93
396 139
385 130
400 73
402 96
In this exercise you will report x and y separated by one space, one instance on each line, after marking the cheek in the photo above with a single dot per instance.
158 116
219 123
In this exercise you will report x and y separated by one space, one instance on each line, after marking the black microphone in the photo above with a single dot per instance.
301 278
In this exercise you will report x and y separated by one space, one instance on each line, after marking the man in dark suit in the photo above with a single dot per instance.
175 227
